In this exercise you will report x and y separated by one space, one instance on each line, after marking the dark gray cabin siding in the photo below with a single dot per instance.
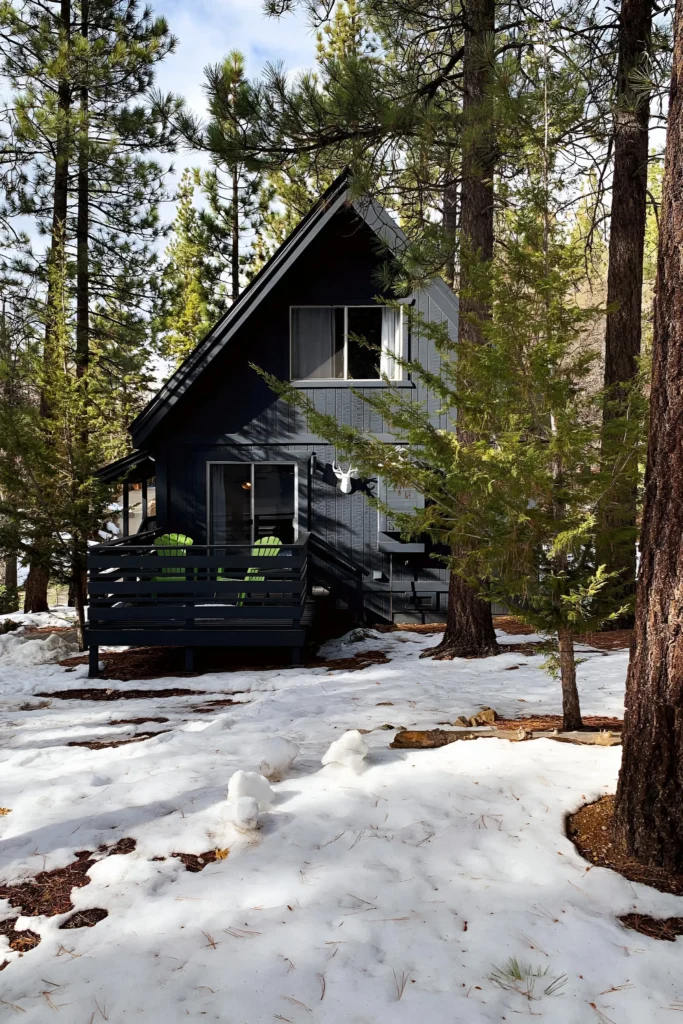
230 414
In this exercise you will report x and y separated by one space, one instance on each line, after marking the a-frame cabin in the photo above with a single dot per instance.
232 464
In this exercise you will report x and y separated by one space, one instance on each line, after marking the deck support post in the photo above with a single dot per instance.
189 659
126 510
93 661
296 655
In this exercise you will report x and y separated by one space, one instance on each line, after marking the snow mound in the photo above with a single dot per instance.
349 749
251 784
245 814
278 756
24 652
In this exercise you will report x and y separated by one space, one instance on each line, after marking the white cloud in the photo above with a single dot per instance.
208 29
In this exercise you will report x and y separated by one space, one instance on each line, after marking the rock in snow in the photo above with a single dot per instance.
349 749
251 784
278 756
245 813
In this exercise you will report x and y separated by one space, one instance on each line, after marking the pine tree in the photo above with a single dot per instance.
649 803
238 197
625 273
77 130
189 303
515 493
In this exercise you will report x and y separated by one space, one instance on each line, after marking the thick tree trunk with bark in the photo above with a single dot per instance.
571 708
9 601
469 628
616 548
649 806
35 594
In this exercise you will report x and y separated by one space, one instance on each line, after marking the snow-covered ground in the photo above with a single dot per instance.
388 891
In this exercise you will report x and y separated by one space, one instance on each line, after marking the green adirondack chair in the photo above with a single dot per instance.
269 546
170 545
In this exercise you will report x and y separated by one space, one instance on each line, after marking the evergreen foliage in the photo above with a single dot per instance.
516 493
78 142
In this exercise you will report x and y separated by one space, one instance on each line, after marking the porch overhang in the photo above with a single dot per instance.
131 469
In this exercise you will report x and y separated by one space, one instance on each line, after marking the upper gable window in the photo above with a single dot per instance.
345 342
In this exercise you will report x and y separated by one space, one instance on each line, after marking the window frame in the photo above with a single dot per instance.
259 462
341 381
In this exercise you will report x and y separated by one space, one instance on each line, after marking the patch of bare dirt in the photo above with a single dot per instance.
196 862
85 918
99 693
135 721
20 942
359 661
616 640
49 893
511 625
666 928
211 706
102 744
591 831
527 650
139 663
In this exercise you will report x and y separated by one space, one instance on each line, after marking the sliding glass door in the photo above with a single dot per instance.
251 500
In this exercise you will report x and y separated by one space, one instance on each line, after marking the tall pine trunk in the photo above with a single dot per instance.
235 240
80 542
35 592
450 229
571 707
35 599
649 805
469 625
616 543
9 601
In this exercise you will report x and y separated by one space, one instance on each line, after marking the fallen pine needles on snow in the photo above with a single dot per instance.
522 978
666 928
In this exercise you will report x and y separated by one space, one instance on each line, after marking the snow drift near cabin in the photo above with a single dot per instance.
390 893
251 784
350 749
278 755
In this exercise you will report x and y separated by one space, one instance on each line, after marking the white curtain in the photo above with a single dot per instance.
392 338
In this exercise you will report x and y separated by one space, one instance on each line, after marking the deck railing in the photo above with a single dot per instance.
212 595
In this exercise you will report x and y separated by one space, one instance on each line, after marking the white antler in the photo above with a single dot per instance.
344 477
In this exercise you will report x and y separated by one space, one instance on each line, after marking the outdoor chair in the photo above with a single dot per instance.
171 545
269 546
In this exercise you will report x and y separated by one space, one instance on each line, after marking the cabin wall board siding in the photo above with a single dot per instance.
230 413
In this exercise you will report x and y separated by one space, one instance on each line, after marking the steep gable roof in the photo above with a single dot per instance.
331 202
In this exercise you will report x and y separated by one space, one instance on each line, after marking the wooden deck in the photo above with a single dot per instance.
210 598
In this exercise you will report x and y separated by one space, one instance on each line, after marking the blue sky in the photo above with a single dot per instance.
208 29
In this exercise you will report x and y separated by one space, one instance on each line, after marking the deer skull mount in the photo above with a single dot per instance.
344 477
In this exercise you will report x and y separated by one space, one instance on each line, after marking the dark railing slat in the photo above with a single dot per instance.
163 589
260 635
130 615
151 562
136 600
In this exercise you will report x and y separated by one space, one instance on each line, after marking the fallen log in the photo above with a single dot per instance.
428 739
